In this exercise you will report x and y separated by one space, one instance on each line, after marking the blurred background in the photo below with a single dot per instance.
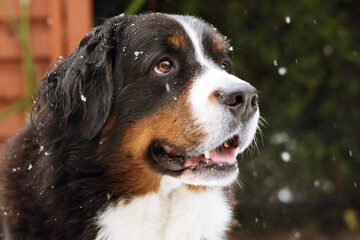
302 180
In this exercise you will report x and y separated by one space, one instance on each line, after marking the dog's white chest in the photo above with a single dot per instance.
173 213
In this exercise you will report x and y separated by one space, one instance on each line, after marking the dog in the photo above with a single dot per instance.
133 136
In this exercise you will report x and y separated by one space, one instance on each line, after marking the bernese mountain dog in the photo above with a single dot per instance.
133 136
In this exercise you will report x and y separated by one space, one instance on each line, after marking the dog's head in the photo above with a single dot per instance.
158 94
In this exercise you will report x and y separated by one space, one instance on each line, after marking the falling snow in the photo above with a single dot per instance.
285 156
167 87
137 53
316 183
285 195
275 62
282 71
83 98
30 167
287 19
279 138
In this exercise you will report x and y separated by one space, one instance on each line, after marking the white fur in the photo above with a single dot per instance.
208 179
215 119
174 213
193 27
7 235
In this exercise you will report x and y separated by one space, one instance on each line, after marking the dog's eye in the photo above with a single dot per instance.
225 66
163 67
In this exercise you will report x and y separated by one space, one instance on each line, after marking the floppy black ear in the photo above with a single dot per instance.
80 89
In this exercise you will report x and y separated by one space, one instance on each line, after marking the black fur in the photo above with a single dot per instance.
53 179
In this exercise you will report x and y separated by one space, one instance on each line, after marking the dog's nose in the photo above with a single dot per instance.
242 99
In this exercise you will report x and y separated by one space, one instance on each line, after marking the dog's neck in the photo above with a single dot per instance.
176 211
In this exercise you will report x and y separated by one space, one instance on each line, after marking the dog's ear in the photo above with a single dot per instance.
79 90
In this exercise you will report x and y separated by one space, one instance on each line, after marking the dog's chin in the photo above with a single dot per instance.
214 175
215 167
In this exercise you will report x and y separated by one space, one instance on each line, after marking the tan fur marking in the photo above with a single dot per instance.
131 175
108 126
177 42
196 189
110 66
217 47
214 96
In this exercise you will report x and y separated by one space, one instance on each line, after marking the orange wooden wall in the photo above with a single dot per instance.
56 27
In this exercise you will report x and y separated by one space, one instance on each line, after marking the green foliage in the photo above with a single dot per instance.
351 219
135 6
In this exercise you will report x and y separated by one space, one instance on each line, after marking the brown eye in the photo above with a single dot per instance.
163 67
225 66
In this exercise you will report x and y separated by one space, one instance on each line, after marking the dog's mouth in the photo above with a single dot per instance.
221 158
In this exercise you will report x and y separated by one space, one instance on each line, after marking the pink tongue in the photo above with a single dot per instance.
223 155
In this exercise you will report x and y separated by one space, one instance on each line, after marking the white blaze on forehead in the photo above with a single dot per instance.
215 119
193 28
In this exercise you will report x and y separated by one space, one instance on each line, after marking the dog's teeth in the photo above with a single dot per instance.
225 144
207 155
237 151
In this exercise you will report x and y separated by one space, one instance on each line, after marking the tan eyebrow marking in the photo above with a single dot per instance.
177 42
217 47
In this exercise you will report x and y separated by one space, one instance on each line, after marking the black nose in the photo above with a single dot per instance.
242 99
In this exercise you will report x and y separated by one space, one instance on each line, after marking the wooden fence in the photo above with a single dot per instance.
56 27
